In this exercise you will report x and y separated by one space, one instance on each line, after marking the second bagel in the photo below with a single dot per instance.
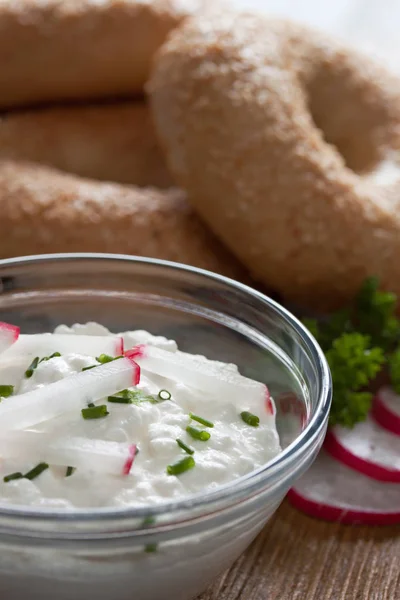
288 146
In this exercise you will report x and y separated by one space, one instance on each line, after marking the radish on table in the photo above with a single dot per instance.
367 448
386 410
333 492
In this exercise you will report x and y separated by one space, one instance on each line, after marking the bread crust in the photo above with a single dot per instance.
46 211
81 49
288 147
108 142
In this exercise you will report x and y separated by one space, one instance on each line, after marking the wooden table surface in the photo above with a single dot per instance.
300 558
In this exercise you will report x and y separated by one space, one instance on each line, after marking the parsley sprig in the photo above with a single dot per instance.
358 342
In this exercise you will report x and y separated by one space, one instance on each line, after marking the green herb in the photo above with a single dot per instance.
91 404
102 360
95 412
36 471
45 358
164 395
132 397
201 420
358 342
149 520
184 447
250 419
354 364
36 361
120 399
69 471
106 358
181 466
151 548
32 367
198 434
6 390
12 477
394 369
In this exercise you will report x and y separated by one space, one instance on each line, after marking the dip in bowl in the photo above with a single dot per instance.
173 548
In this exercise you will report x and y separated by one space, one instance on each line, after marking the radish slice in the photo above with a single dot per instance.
205 376
386 410
101 456
367 448
69 394
333 492
44 344
8 335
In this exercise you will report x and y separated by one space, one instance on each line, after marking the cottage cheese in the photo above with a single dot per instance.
233 449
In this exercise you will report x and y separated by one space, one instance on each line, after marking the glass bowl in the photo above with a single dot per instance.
176 549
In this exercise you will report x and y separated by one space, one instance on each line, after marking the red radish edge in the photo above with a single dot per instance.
374 471
138 351
136 369
339 515
14 329
129 461
384 416
119 350
268 402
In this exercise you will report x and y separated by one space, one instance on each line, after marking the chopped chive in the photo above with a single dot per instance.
120 399
12 477
149 520
198 434
91 367
32 367
164 395
132 397
69 471
54 355
95 412
151 548
36 471
250 419
105 358
184 447
91 404
6 390
181 466
204 422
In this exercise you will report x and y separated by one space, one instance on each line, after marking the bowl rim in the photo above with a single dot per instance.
235 491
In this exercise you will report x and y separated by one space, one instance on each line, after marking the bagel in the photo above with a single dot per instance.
288 146
46 211
111 142
81 49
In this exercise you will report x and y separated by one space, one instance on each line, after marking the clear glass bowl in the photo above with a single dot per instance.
174 550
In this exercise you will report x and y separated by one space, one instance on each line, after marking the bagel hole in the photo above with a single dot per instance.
357 146
349 117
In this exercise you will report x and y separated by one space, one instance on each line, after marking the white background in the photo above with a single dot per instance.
370 25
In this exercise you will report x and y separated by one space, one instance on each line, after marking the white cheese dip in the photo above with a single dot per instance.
233 449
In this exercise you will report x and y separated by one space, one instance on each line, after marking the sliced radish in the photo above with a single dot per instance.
367 448
333 492
69 394
8 335
95 455
386 409
44 344
205 376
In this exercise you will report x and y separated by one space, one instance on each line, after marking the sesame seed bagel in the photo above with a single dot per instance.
288 146
80 49
46 211
110 142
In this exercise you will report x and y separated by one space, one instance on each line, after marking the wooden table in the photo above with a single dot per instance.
300 558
